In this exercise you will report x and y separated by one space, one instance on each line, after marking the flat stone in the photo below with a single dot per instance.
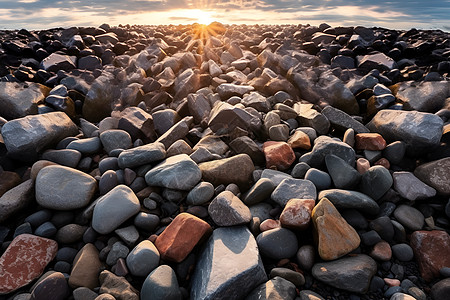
16 199
436 174
260 191
351 274
64 188
410 187
293 188
181 236
409 217
115 139
18 100
319 178
213 144
117 286
176 132
141 155
25 260
350 199
297 213
143 259
52 287
229 266
335 237
428 96
375 182
279 155
275 176
86 146
228 210
379 61
161 284
55 62
224 118
324 146
177 172
343 175
342 121
277 288
66 157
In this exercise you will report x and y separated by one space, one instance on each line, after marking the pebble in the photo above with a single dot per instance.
277 243
55 285
276 288
118 287
375 182
409 217
297 213
343 175
115 139
321 179
278 155
440 290
293 188
161 284
260 191
410 187
200 194
228 210
402 252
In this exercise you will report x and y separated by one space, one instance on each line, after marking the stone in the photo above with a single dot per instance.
440 290
428 96
25 137
229 266
200 194
137 123
228 210
418 130
53 287
223 171
55 62
86 268
114 208
128 234
213 144
401 296
409 217
66 157
432 252
295 277
177 172
410 187
376 60
70 233
381 251
351 274
64 188
179 147
224 118
343 175
161 284
342 121
116 286
277 243
310 295
370 141
246 145
375 182
310 117
8 180
277 288
293 188
143 259
164 119
227 90
141 155
86 146
299 170
18 100
275 176
402 252
84 293
279 155
299 140
305 257
260 191
436 174
115 139
319 178
90 63
324 146
176 132
117 251
16 199
297 213
394 152
342 199
181 236
333 235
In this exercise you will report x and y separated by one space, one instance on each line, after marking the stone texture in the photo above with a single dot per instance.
16 199
115 139
161 284
8 180
410 187
277 243
116 286
137 123
299 140
370 141
18 100
52 287
428 96
279 155
225 118
297 213
342 121
436 174
375 182
277 288
141 155
86 268
143 259
324 146
350 199
343 175
228 210
260 191
293 188
409 217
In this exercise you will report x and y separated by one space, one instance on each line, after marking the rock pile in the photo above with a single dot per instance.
224 162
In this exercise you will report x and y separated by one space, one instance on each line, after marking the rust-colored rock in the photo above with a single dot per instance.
181 236
383 162
333 235
370 141
25 260
86 268
299 140
432 251
381 251
297 213
279 155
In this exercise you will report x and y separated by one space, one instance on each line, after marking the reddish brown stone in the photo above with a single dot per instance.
181 236
25 260
299 140
381 251
297 213
86 268
269 224
370 141
383 162
8 180
392 282
279 155
432 251
362 165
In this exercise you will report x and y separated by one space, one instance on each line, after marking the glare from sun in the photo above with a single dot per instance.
203 17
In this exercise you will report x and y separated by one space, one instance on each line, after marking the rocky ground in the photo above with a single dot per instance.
224 162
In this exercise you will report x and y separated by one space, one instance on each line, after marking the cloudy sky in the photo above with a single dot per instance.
398 14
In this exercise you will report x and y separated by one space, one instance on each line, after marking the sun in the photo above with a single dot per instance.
203 17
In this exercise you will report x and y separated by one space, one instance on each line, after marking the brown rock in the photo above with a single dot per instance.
381 251
8 180
334 236
392 282
370 141
297 213
25 260
117 286
432 250
299 140
383 162
269 224
86 267
181 236
279 155
362 165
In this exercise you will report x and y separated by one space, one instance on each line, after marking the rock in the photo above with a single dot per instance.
114 208
137 123
342 121
410 187
370 141
200 194
257 101
402 252
90 63
213 144
227 90
305 257
66 157
334 236
310 117
277 288
319 178
53 287
16 199
293 188
177 172
297 213
377 61
115 139
260 191
161 284
181 236
324 146
228 210
224 118
279 155
25 260
277 243
310 295
401 296
100 98
440 290
394 152
246 145
295 277
223 171
199 107
86 268
428 96
64 188
351 199
84 293
179 147
234 277
86 146
431 249
418 130
55 62
436 174
8 180
141 155
19 100
375 182
344 176
164 119
299 140
26 137
381 251
176 132
351 274
275 176
143 259
117 251
116 286
409 217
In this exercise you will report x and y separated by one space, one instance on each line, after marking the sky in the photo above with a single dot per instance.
394 14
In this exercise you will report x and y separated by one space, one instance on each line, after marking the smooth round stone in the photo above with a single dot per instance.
161 284
376 182
63 267
354 218
84 293
66 254
62 218
115 139
200 194
118 250
403 252
300 170
38 218
65 157
409 217
344 176
46 230
70 233
376 284
107 182
296 278
305 257
441 290
128 234
277 243
143 259
150 203
52 287
349 137
320 178
89 235
392 290
370 238
279 132
445 272
86 146
260 191
395 152
402 296
109 163
24 228
384 227
417 293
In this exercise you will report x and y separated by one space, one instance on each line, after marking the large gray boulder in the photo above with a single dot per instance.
18 100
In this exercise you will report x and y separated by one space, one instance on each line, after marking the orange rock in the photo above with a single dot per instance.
86 268
279 155
181 236
297 213
269 224
299 140
381 251
333 235
370 141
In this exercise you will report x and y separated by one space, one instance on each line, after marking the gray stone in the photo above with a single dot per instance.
27 136
200 194
128 234
16 199
279 132
176 132
164 119
227 90
18 100
319 178
410 187
277 243
409 217
115 139
53 286
351 274
275 176
428 96
66 157
118 250
376 181
225 118
161 284
246 145
342 121
228 210
295 277
114 208
402 252
377 61
312 118
299 170
177 172
199 107
229 266
213 144
305 257
293 188
137 123
324 146
86 146
261 210
351 199
343 175
141 155
203 155
84 293
143 259
277 288
436 174
55 62
310 295
260 191
394 152
64 188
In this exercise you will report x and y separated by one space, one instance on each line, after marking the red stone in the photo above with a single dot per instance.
383 162
432 251
370 141
392 282
297 213
279 155
181 236
25 260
